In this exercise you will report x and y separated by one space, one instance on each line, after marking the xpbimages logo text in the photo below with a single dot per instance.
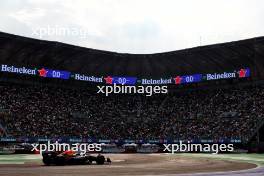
190 147
124 89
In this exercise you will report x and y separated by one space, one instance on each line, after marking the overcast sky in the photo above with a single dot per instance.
134 26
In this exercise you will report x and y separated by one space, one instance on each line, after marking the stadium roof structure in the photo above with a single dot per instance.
23 51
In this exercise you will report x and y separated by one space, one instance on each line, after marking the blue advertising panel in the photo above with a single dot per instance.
57 74
190 79
124 80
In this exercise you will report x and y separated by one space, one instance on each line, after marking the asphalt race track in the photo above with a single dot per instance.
131 164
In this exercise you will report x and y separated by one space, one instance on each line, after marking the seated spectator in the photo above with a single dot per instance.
50 112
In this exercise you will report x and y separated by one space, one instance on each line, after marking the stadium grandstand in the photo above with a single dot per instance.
219 110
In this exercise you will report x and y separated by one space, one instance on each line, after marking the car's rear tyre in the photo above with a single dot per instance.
46 161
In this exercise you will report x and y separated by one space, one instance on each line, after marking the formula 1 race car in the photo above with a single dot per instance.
71 158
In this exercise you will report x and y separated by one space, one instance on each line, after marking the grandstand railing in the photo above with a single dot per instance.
72 139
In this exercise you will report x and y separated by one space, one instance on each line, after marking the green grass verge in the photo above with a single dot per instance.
19 159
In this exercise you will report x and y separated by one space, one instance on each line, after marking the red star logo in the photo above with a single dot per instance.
108 80
178 80
43 72
242 73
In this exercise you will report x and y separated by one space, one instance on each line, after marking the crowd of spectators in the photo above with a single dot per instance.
190 114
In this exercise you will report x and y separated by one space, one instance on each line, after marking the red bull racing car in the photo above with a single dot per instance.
72 158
